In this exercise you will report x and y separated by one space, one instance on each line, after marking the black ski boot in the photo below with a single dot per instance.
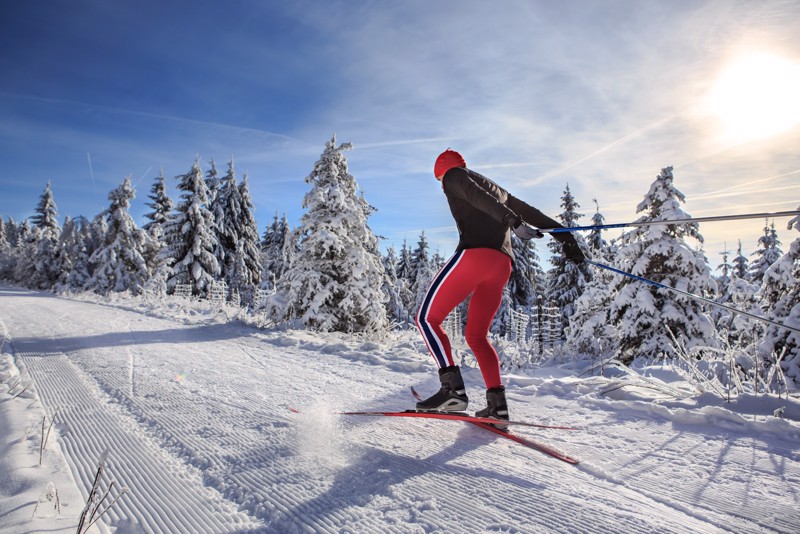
452 397
496 406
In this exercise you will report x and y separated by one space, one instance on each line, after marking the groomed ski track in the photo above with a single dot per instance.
194 421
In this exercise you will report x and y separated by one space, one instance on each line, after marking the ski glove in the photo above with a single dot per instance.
525 232
573 252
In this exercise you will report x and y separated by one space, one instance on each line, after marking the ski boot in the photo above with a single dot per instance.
496 406
452 397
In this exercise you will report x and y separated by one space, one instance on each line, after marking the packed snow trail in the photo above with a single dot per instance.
194 418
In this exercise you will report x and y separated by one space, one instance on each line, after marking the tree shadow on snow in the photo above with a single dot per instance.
189 334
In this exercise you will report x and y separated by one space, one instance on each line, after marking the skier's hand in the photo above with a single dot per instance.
573 252
525 232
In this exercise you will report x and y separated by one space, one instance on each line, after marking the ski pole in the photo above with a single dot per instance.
692 295
675 221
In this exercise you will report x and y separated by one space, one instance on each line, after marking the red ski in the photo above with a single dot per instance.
546 449
452 416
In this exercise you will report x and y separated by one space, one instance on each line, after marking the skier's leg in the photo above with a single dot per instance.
449 288
483 306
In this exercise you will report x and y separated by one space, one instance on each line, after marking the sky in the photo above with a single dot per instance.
537 95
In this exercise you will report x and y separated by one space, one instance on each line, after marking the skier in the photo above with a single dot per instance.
485 215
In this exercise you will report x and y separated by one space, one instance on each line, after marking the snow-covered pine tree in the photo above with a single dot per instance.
74 238
741 332
277 250
212 182
46 269
526 275
437 261
726 267
741 267
189 236
244 274
566 281
6 252
405 281
422 271
161 205
3 239
767 253
217 191
597 244
723 281
643 312
591 331
781 292
46 217
503 321
403 267
226 209
119 263
335 281
395 308
26 252
11 233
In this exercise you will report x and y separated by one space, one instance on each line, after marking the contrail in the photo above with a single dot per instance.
609 146
91 171
142 176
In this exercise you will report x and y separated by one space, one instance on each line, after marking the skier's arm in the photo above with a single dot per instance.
536 218
458 182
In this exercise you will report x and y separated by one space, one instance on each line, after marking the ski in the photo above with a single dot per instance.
452 416
541 447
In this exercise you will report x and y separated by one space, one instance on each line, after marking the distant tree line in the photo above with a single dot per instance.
329 274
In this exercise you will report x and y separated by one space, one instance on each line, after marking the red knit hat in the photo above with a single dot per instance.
446 161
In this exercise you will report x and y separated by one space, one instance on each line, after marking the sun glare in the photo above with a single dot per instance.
757 96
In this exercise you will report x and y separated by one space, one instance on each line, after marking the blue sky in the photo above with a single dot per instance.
536 95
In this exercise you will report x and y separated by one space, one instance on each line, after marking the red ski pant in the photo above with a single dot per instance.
483 273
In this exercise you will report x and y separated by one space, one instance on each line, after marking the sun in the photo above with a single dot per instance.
756 96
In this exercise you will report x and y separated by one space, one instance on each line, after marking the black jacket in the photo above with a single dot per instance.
484 212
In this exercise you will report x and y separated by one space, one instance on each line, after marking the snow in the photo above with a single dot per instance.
190 406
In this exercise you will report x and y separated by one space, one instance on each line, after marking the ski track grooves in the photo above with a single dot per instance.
159 500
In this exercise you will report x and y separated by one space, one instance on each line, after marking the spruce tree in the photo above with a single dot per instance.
644 312
566 280
46 217
45 266
11 233
189 237
405 282
244 275
26 254
741 267
4 245
212 182
395 309
161 205
74 238
226 209
276 251
119 263
723 281
334 282
422 271
7 252
596 243
767 253
781 293
526 275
